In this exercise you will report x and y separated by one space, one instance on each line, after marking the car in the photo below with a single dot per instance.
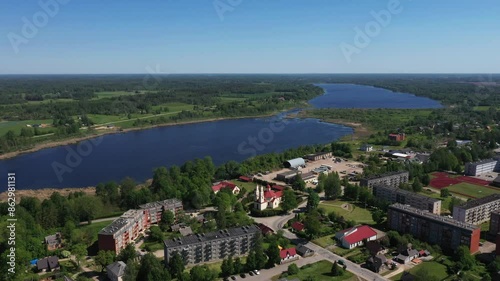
341 262
243 275
251 273
233 277
256 272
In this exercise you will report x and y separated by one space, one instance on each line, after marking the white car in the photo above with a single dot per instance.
256 272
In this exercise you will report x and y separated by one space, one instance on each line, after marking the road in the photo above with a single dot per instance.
330 256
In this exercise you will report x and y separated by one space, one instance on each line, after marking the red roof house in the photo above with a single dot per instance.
298 226
225 184
265 229
353 237
288 255
245 179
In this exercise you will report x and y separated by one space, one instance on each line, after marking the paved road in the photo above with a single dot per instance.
327 255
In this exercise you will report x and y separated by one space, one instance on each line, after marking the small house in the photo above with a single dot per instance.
297 226
304 251
48 264
288 255
355 236
116 271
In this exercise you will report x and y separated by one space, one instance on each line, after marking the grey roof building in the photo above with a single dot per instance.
294 163
398 195
481 167
211 246
477 211
393 179
116 270
48 264
495 222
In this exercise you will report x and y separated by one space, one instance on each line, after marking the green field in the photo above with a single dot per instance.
318 271
434 268
324 241
355 213
16 126
477 191
103 95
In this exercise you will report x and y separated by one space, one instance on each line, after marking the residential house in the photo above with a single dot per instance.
297 226
54 241
304 251
48 264
355 236
375 248
407 255
366 148
288 255
116 270
266 230
216 187
245 179
374 263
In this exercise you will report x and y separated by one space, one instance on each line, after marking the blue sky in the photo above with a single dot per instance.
259 36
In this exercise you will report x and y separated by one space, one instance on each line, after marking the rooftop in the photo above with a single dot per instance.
484 161
287 173
480 201
211 236
174 201
288 252
410 194
358 233
432 216
386 175
117 268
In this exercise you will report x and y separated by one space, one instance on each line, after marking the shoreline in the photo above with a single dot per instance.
75 140
360 131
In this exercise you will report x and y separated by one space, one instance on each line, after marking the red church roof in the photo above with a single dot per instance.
298 226
223 184
270 194
362 232
288 252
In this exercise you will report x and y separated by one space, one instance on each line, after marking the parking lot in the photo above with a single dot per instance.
343 168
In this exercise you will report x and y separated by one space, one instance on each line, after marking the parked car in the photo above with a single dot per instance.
251 273
233 277
341 262
243 275
256 272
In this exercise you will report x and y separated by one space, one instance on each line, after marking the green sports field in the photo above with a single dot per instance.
472 190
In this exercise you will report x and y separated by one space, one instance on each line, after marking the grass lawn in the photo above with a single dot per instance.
445 202
434 268
477 191
318 271
324 241
355 213
16 126
103 95
249 186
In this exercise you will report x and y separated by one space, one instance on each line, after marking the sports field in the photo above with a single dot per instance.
463 185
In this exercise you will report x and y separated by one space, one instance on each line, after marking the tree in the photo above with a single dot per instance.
156 234
292 269
260 256
176 265
167 219
289 201
202 273
332 186
127 254
462 254
131 271
251 263
298 183
378 216
426 179
312 201
416 185
104 258
445 192
151 269
312 226
238 266
79 251
454 202
336 270
273 254
227 267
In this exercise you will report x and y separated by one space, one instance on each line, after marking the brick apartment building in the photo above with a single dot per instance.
155 209
448 233
477 211
133 223
211 246
397 137
398 195
392 179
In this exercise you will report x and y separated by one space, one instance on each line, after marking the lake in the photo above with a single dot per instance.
360 96
137 153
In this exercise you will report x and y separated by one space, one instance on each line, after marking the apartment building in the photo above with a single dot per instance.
393 179
481 167
477 211
212 246
154 210
398 195
132 223
448 233
122 231
495 223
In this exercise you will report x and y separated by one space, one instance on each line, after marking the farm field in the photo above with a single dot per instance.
16 126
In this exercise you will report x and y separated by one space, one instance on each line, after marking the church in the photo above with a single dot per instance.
267 198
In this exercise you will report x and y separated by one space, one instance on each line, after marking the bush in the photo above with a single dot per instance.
266 213
293 269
